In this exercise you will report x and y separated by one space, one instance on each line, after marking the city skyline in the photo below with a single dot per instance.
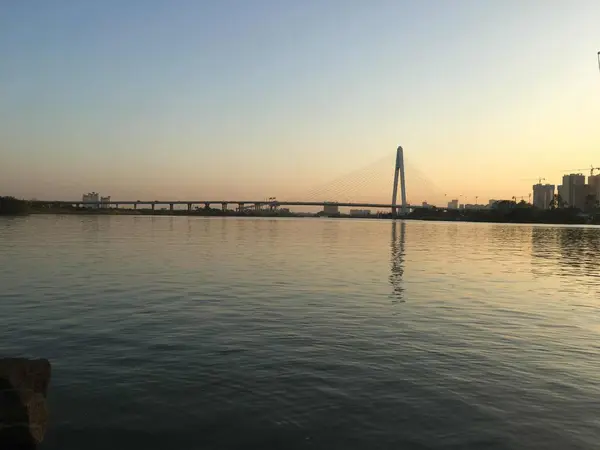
574 191
144 100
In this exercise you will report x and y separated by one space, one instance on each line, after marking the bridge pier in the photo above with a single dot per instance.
257 207
170 206
189 207
116 206
240 207
223 207
153 205
135 206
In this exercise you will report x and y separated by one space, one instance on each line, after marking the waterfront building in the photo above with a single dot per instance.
594 186
453 204
331 209
360 212
573 190
90 197
543 195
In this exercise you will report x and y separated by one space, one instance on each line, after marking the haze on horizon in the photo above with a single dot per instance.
233 99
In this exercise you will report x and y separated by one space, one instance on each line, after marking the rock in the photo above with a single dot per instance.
23 412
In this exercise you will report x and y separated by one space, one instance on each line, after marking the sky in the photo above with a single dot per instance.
237 99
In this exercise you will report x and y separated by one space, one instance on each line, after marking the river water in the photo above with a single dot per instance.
225 333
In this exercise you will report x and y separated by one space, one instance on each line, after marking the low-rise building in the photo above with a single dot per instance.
360 212
105 202
331 209
503 205
453 204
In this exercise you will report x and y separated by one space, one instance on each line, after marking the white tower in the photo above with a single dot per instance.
399 170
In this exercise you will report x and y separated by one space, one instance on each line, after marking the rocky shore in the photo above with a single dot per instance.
23 411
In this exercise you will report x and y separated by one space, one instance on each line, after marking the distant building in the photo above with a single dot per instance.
503 205
543 195
573 190
492 202
360 212
594 186
427 205
105 202
90 197
331 209
453 204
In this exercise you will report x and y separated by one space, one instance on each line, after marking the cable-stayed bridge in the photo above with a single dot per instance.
346 191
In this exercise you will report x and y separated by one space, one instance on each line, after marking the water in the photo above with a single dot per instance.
173 332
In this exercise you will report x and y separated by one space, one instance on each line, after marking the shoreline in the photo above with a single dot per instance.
546 218
508 212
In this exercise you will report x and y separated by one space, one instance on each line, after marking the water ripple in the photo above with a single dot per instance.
251 333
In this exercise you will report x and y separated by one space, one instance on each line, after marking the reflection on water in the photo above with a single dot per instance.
397 259
226 333
567 252
90 225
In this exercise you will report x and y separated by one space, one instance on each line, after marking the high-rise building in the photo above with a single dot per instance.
90 197
573 190
594 186
453 204
543 195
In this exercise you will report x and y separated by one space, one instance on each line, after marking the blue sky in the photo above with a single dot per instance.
195 99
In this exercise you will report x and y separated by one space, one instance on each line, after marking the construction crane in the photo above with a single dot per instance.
538 179
591 169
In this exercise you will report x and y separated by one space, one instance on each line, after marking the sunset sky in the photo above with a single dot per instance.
190 99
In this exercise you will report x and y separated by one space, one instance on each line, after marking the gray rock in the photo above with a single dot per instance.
23 411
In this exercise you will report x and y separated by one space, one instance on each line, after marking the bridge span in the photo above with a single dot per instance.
241 204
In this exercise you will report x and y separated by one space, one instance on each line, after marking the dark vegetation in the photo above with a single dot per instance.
13 206
503 212
38 207
512 212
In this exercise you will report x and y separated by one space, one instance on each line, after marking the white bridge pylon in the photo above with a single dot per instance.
399 171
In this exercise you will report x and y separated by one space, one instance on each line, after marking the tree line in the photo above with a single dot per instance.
11 205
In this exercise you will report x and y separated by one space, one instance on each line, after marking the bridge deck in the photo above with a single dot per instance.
220 202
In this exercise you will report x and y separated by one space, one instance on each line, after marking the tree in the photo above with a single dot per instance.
557 202
590 202
11 205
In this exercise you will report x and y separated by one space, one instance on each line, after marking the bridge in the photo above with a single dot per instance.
399 177
242 204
